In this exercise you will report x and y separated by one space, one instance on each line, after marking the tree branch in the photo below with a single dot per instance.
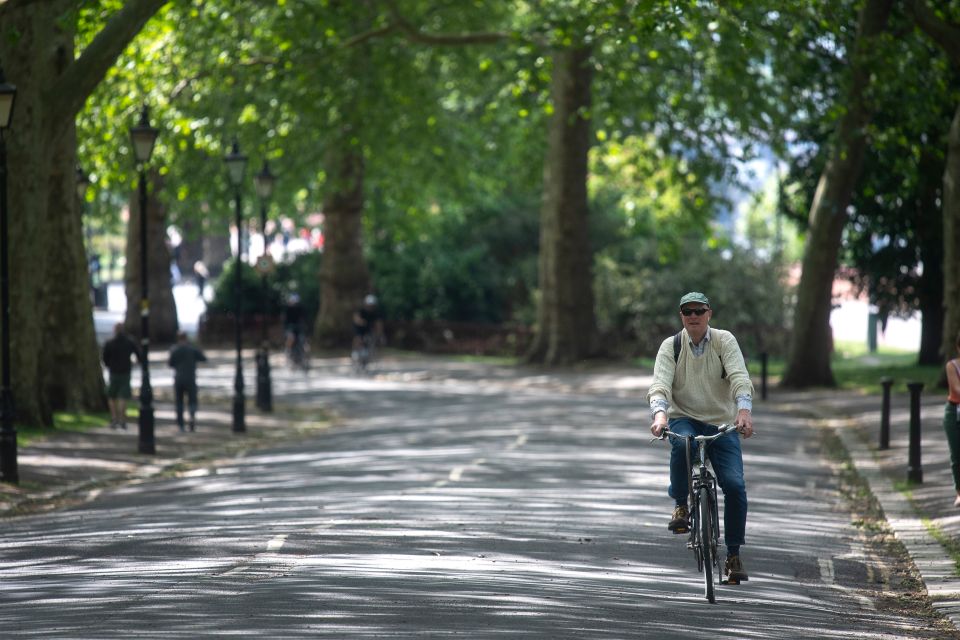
13 5
399 23
67 96
944 33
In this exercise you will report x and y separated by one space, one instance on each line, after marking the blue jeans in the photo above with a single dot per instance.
727 460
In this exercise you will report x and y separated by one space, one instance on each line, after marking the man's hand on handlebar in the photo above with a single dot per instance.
744 423
659 424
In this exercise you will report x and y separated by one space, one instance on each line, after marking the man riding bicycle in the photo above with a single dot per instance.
293 323
700 381
367 322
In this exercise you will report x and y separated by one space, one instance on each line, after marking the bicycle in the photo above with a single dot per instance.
298 356
363 356
704 514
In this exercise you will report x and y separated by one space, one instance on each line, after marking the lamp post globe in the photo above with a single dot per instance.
263 182
143 137
236 165
8 433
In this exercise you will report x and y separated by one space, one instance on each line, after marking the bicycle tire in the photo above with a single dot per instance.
694 520
706 542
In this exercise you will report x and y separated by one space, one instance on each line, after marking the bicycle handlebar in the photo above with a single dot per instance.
723 429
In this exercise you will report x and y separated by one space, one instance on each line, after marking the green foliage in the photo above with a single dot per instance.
254 297
463 266
637 300
300 276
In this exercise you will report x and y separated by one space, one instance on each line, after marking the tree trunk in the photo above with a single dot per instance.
930 247
566 326
808 362
70 357
36 50
344 278
163 308
951 242
30 64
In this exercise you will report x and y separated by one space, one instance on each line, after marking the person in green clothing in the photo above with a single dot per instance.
951 418
184 357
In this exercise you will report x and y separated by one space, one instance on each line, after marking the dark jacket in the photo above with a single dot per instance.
184 359
116 354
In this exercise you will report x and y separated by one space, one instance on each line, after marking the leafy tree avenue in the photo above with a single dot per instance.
809 357
50 309
946 33
593 145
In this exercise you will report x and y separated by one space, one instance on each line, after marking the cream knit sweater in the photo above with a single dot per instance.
693 385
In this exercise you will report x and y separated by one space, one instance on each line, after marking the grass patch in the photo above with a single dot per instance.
62 421
494 360
855 368
952 546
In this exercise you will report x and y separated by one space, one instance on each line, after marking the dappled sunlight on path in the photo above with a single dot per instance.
452 500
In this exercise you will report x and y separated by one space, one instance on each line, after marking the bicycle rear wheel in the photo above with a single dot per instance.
706 544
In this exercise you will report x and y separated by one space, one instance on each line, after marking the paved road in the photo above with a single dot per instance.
454 500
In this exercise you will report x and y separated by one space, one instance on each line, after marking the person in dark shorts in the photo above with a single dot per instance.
367 321
116 356
184 357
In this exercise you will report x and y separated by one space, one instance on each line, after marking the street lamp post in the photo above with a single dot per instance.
263 182
83 183
8 433
143 137
236 164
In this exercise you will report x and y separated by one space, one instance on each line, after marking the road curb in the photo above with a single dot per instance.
937 568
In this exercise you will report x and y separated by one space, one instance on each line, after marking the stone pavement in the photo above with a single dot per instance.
69 467
918 514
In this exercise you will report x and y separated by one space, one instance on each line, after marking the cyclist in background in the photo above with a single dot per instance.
367 325
293 326
700 381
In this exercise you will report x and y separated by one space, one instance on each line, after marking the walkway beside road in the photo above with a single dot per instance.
71 466
917 514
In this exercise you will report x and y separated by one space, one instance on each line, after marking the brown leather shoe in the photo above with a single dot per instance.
680 522
733 571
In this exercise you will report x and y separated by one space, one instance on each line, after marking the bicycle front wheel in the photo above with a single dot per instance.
706 540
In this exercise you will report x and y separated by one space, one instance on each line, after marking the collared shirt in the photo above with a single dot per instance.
744 401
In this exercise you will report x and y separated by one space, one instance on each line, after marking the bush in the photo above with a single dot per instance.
301 276
477 266
636 301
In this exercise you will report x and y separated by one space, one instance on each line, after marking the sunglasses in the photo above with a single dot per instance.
694 312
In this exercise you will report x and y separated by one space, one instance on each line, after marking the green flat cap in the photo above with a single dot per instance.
694 296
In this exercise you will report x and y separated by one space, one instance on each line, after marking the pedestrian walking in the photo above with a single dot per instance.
201 274
951 418
184 357
699 382
116 356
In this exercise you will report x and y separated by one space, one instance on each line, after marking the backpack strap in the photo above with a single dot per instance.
716 348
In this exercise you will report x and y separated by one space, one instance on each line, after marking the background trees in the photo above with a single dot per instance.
560 164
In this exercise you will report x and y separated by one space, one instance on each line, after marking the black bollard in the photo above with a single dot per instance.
264 385
763 375
914 469
885 414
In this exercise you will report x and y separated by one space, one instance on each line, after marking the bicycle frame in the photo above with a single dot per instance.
704 518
